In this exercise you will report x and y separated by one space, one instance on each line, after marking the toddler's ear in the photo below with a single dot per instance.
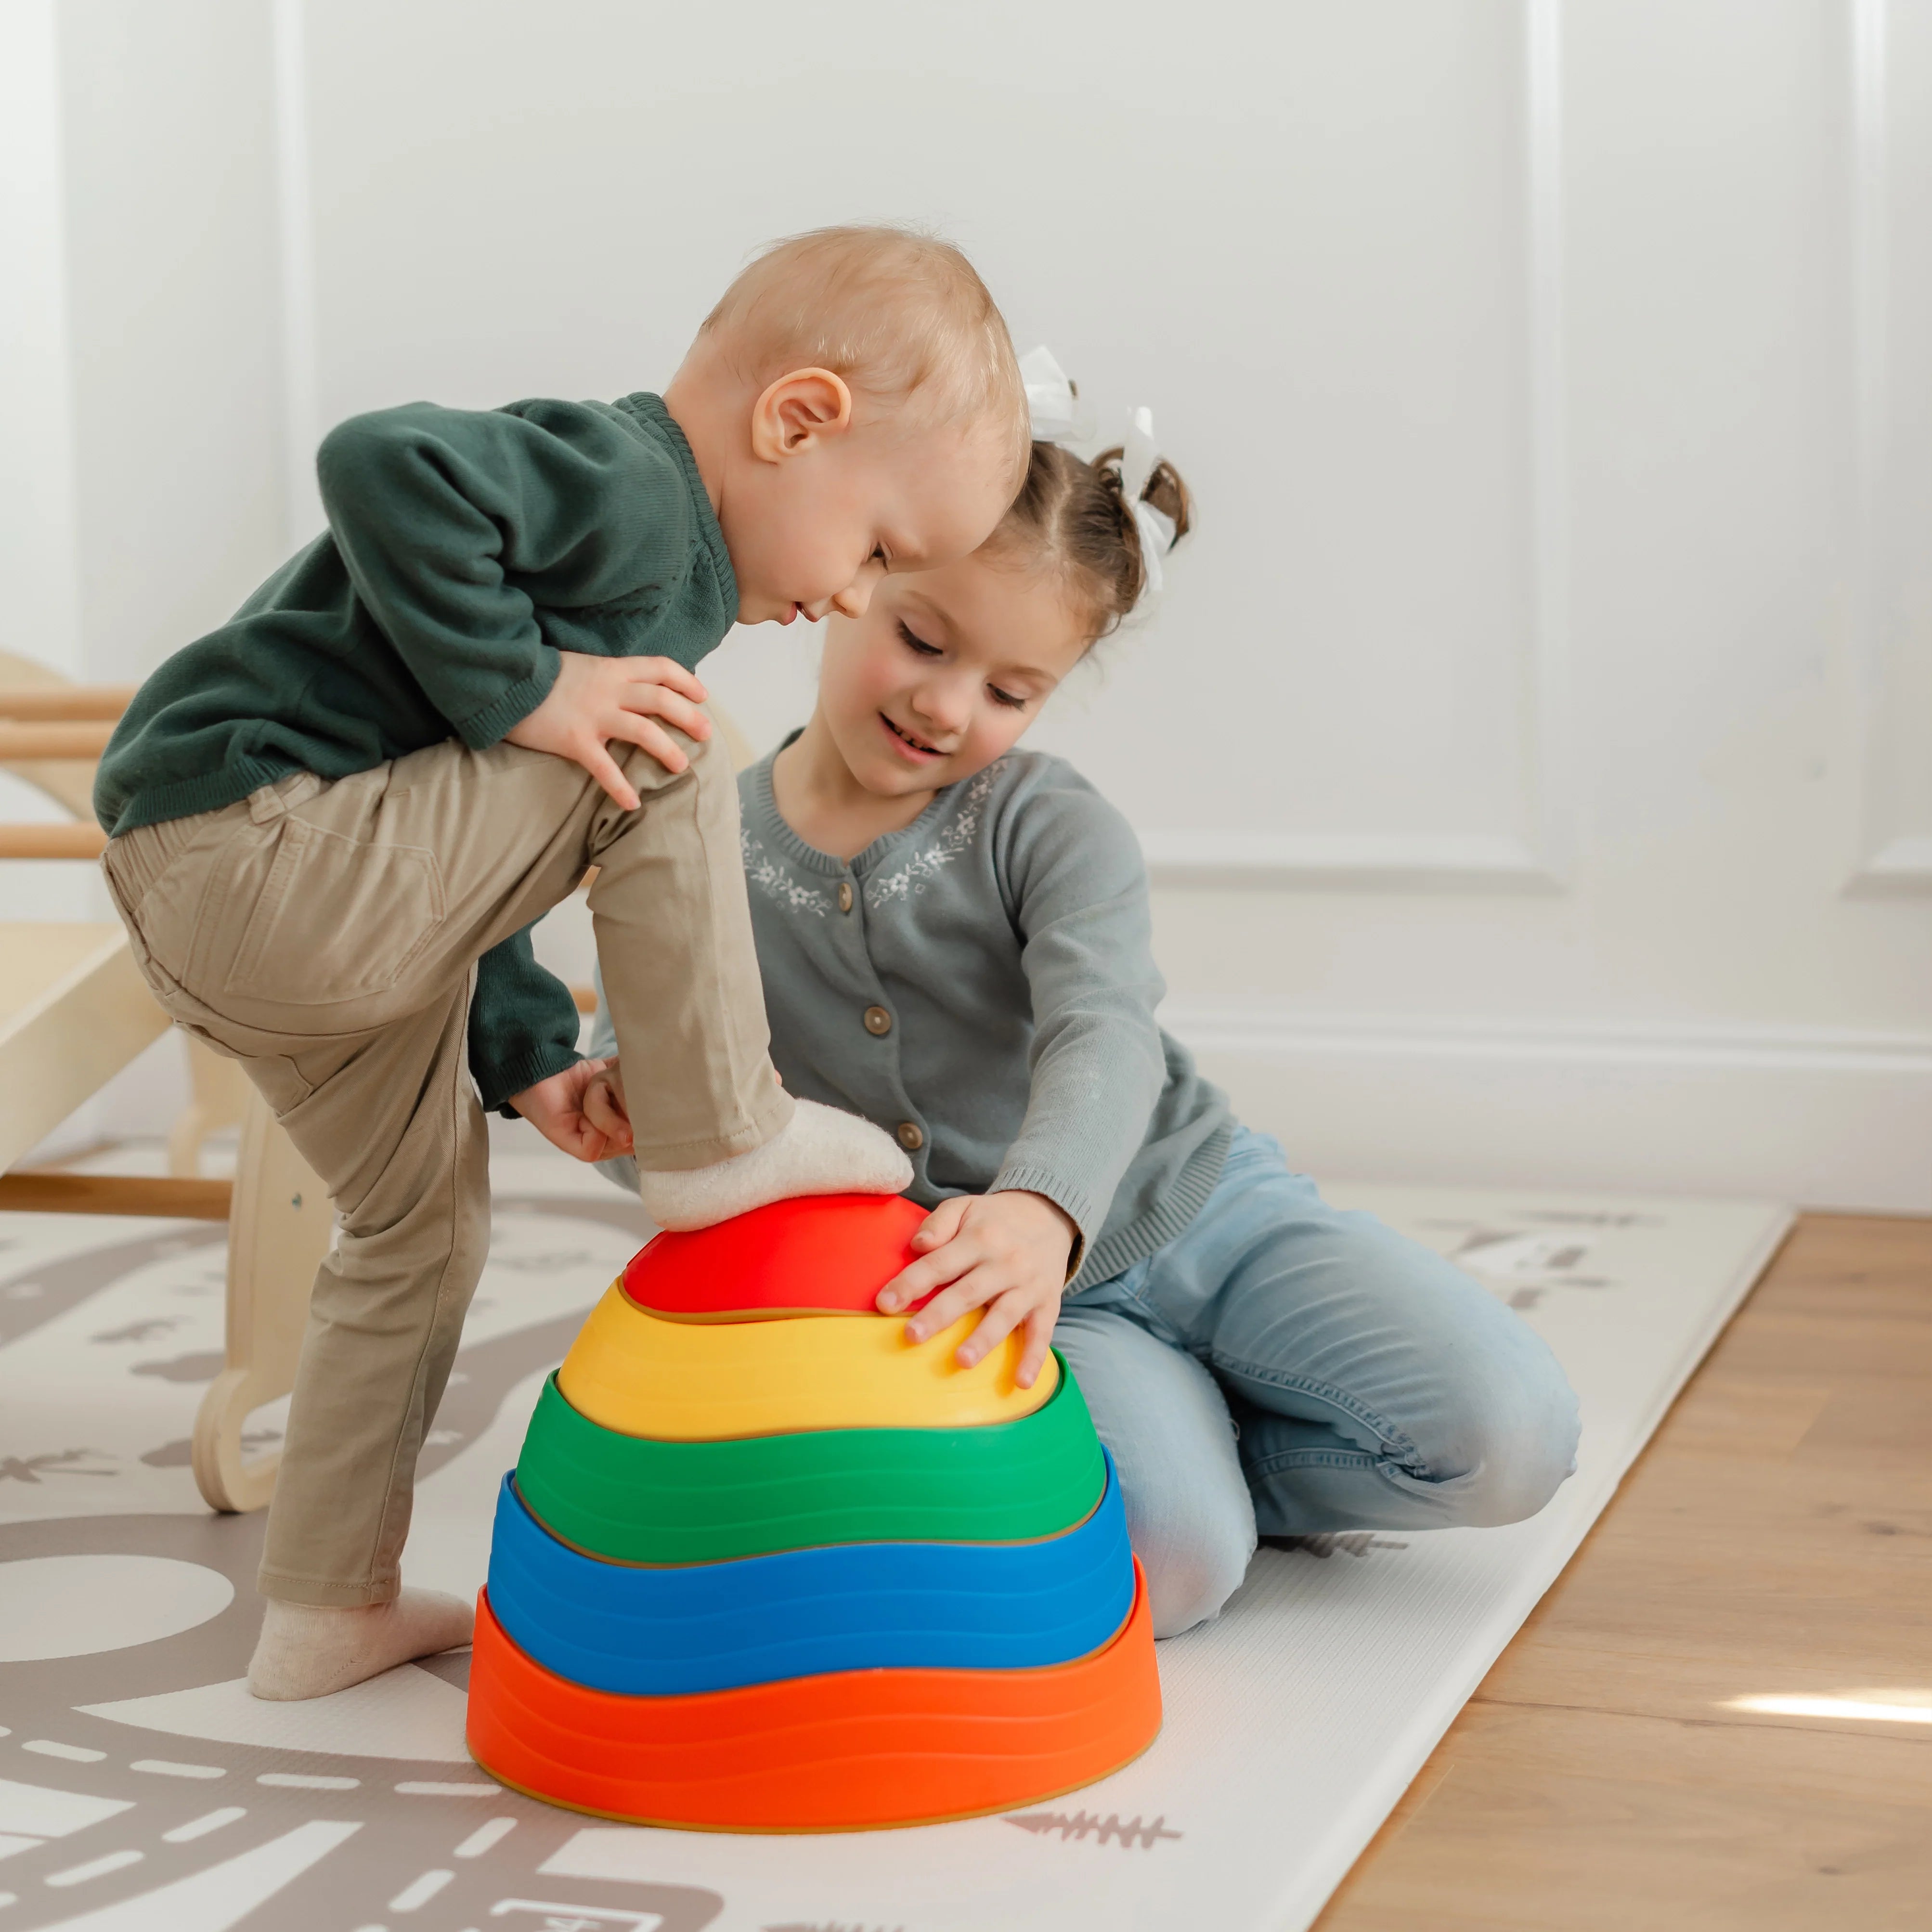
802 411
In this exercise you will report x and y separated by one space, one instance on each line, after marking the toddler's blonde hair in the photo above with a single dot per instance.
902 315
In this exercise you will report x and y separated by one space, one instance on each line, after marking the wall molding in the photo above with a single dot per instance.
39 496
1819 1116
1412 862
302 425
1552 752
1888 861
1272 1031
1539 859
1899 865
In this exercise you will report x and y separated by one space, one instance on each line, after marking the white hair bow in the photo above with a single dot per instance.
1051 403
1155 526
1049 394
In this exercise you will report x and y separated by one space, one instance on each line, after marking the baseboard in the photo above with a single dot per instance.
1823 1118
1902 865
1404 862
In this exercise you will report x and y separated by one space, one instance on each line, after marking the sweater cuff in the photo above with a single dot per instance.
1073 1202
497 1084
482 729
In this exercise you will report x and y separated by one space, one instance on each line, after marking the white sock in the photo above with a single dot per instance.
819 1150
306 1651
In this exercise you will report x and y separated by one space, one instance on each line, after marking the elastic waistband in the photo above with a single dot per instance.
134 860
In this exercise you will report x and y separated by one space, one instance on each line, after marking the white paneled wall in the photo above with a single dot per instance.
1891 268
36 507
1535 747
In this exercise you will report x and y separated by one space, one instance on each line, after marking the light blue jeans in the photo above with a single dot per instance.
1284 1367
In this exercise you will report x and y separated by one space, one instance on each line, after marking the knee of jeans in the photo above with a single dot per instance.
1508 1443
1194 1574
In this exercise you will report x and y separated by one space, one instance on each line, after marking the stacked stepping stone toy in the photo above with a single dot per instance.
764 1565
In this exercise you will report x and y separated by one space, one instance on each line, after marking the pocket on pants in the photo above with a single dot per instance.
337 918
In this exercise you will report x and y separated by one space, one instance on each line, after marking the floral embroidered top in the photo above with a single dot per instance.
982 984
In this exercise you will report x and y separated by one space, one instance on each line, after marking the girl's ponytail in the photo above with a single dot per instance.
1076 518
1164 493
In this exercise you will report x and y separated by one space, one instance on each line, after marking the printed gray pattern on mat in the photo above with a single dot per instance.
141 1790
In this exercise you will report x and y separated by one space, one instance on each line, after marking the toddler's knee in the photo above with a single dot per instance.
1192 1576
1515 1442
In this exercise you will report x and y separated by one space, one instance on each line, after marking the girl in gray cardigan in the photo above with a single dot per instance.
955 940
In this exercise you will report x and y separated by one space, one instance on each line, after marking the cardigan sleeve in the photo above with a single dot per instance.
1078 889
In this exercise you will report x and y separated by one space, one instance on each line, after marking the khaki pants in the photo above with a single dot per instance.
326 934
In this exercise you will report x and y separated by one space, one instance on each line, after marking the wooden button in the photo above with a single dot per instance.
909 1136
844 895
878 1020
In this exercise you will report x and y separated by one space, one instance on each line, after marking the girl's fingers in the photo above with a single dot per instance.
945 1263
972 1290
998 1321
1039 1343
909 1284
941 1225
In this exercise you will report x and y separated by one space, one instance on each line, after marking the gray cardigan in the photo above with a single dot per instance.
982 984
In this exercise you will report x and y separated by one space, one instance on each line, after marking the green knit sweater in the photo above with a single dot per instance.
465 549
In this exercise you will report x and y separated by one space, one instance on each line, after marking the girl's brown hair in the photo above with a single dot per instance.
1072 518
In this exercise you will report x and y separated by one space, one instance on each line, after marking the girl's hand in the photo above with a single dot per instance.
560 1109
1004 1252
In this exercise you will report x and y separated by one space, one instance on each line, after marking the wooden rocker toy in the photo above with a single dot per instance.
74 1010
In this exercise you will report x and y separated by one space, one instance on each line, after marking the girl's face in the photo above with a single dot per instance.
943 672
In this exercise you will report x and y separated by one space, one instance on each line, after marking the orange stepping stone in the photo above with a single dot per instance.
849 1751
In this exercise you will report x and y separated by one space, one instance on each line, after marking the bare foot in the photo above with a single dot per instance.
819 1150
307 1651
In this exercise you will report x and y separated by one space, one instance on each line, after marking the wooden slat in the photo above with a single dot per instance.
51 841
39 1193
73 1011
1770 1541
64 705
53 741
586 997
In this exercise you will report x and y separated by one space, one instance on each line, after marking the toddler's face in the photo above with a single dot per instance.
942 672
817 535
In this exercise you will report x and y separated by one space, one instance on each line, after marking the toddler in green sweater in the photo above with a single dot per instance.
334 820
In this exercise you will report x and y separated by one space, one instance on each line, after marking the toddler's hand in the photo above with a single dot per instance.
596 699
1004 1252
604 1107
557 1108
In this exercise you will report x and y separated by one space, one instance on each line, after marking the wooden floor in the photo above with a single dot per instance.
1775 1538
